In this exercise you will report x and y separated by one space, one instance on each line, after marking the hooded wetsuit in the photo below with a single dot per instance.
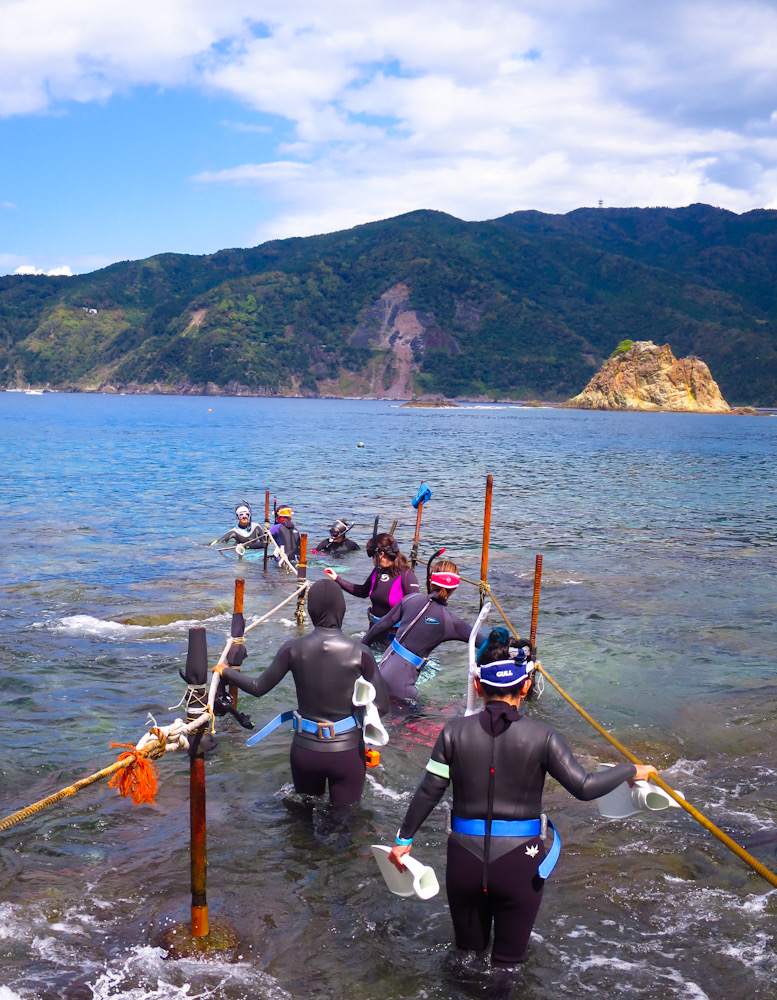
523 751
325 664
286 534
383 589
425 623
333 546
252 536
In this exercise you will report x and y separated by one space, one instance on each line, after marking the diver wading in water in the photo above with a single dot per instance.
246 532
423 623
391 579
337 543
285 534
328 744
497 761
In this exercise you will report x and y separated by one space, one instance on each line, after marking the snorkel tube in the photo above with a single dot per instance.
472 696
439 552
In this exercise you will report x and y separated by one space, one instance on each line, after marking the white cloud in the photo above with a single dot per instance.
62 272
254 173
476 107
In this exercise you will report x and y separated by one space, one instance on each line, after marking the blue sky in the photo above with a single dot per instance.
189 126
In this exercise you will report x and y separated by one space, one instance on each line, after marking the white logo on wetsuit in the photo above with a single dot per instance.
431 621
384 578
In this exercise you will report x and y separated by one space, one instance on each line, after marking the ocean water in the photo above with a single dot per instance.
657 613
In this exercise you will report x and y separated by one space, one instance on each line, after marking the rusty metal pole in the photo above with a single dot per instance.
535 604
238 610
266 523
486 536
302 572
414 550
197 674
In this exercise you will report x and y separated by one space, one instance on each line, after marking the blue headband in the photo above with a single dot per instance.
504 673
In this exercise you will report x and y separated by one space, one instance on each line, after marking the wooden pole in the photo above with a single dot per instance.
197 673
393 528
535 604
302 572
266 523
486 536
200 926
414 551
238 610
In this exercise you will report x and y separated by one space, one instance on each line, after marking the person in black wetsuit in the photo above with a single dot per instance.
285 534
337 543
246 532
325 664
497 761
391 579
425 623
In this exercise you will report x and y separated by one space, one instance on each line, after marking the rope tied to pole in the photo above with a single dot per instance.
700 818
139 779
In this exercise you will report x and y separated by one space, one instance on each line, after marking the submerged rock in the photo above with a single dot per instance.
642 376
431 403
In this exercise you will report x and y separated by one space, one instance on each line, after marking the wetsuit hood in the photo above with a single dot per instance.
326 604
497 717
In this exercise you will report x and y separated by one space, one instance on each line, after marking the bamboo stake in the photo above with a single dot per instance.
266 524
414 551
486 536
302 572
238 610
197 673
535 603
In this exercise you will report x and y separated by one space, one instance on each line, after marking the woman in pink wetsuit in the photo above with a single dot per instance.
390 581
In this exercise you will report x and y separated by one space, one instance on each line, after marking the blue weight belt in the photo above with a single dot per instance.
512 828
324 730
417 661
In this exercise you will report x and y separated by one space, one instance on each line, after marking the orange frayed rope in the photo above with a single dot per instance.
138 779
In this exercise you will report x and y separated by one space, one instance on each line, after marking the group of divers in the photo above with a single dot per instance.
496 759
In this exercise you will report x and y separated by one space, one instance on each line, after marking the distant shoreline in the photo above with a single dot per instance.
400 402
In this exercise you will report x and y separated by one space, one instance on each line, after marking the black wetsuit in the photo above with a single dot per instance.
252 536
523 751
426 622
325 663
286 534
383 589
333 546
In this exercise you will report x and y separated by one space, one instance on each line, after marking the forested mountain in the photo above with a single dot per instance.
526 306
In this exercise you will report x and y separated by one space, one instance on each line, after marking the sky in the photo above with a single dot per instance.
132 129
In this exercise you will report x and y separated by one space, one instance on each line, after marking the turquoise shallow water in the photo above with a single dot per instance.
659 539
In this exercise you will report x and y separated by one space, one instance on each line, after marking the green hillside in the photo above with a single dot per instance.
526 306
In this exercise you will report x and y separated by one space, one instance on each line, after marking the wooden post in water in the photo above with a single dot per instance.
302 572
414 550
197 674
266 523
486 536
393 528
238 610
202 936
535 604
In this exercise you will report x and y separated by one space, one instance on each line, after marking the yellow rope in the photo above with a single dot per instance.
155 750
195 694
724 838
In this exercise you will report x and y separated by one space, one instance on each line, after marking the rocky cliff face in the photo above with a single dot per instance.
647 377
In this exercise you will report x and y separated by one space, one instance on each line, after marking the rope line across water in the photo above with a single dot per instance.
154 744
700 818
